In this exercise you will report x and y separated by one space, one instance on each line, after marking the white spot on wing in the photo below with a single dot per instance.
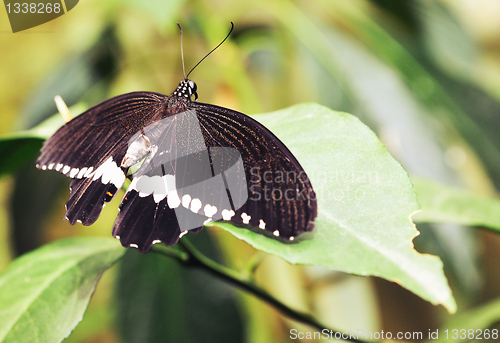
59 166
117 237
183 233
210 210
157 197
99 171
134 246
81 173
50 166
156 241
195 205
227 214
186 199
110 172
159 194
291 238
276 233
88 173
173 200
160 187
66 169
44 167
262 224
144 185
246 218
73 172
207 221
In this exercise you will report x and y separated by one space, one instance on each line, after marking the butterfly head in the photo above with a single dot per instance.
186 89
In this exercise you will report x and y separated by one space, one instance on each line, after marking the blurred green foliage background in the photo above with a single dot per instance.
424 75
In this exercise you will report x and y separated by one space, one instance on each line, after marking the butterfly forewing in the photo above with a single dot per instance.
90 149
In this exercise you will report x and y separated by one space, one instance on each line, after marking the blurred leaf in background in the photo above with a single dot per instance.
159 301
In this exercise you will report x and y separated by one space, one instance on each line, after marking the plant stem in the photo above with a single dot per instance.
192 257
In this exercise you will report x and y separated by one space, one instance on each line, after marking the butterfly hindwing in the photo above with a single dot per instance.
142 222
86 200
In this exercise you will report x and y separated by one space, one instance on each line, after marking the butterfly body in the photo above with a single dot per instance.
200 163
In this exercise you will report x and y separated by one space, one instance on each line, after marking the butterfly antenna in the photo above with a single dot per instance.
232 27
182 53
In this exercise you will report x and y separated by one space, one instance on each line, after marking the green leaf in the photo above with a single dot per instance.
445 204
477 320
365 200
15 151
44 294
162 13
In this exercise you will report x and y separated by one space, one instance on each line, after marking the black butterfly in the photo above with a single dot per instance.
198 163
